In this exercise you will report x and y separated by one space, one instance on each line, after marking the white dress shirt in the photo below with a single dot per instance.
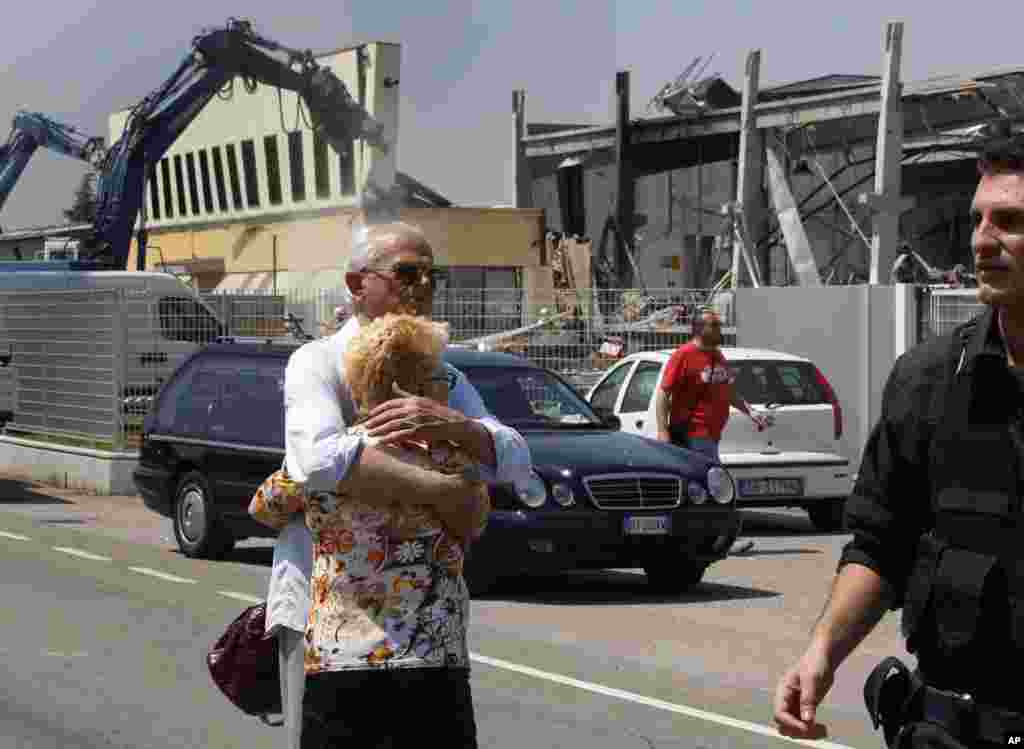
319 452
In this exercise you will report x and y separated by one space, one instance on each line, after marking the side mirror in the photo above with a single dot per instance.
609 417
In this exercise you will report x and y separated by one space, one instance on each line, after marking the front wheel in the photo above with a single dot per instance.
674 575
197 525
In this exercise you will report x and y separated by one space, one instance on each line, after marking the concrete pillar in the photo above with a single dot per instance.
751 166
625 185
524 188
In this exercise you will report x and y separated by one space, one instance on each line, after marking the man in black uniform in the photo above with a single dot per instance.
936 517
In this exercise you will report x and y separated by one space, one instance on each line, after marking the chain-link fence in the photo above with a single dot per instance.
82 367
61 380
941 310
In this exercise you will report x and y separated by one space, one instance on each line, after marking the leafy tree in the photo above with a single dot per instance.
83 206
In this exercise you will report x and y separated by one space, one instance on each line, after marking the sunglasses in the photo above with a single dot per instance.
409 274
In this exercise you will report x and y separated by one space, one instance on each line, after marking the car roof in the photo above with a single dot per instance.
732 353
460 358
456 356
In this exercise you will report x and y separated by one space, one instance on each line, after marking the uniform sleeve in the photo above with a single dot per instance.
318 448
889 507
514 463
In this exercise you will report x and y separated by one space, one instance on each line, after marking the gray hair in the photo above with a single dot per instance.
365 240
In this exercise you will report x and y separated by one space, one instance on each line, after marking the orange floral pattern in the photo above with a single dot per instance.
387 588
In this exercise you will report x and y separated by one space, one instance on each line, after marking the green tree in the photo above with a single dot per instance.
83 206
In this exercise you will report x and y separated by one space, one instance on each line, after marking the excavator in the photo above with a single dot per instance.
216 58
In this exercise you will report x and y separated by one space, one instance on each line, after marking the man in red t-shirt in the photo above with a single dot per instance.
697 390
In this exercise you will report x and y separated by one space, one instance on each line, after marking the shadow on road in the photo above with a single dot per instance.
261 555
15 491
604 587
781 523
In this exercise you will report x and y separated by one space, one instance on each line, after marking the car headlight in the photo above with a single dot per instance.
535 493
696 493
723 489
563 494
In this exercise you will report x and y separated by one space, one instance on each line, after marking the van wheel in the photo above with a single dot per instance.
827 515
197 526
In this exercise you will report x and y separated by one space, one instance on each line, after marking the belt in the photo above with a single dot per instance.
962 717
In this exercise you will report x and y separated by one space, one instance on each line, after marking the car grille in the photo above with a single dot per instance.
634 491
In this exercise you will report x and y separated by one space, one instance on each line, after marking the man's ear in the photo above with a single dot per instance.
354 281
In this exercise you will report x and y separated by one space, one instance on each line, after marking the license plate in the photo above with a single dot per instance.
648 525
769 487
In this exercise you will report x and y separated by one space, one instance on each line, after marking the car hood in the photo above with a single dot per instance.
605 451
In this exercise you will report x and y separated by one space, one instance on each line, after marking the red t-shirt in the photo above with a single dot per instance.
699 382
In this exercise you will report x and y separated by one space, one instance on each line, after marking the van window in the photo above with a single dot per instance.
227 399
184 319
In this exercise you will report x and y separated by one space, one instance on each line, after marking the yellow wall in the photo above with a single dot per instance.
460 236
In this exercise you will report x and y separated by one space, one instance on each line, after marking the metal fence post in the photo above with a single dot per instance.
118 370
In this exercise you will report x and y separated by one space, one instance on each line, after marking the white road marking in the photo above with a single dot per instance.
240 596
14 536
82 554
639 699
59 654
161 575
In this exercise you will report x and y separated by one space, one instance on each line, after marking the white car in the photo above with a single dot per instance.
795 462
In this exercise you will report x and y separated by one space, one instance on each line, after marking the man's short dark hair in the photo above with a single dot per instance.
697 325
1003 149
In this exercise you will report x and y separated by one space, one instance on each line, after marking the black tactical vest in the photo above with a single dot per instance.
964 605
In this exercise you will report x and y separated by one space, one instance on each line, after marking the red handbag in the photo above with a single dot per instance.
244 666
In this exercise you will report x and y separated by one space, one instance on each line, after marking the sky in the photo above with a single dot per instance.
461 60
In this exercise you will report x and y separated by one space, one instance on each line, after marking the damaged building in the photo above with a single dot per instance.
662 186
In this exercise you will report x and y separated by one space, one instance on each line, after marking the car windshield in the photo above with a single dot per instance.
525 398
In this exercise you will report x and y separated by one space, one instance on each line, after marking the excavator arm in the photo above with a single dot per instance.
31 131
216 58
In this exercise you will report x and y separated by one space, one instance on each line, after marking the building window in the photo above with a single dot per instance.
204 173
236 186
218 176
193 187
179 182
298 164
273 169
252 184
165 179
348 172
323 180
154 197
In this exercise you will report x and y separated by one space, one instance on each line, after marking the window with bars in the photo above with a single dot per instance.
236 185
297 160
273 169
165 180
218 176
179 182
252 184
193 186
320 175
348 172
204 175
154 197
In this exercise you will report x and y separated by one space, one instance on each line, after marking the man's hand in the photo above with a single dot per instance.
798 694
663 436
411 417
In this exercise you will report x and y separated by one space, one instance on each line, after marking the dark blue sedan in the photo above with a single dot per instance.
599 497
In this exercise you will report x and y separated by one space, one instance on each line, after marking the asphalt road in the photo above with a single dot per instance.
107 627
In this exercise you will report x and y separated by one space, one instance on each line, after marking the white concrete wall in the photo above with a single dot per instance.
852 333
244 116
74 468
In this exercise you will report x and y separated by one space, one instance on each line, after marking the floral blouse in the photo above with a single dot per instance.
387 588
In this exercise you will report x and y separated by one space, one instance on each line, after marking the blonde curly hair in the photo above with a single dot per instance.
399 349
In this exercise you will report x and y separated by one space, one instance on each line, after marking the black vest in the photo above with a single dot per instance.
964 610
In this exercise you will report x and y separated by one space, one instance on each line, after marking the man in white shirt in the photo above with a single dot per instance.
391 270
